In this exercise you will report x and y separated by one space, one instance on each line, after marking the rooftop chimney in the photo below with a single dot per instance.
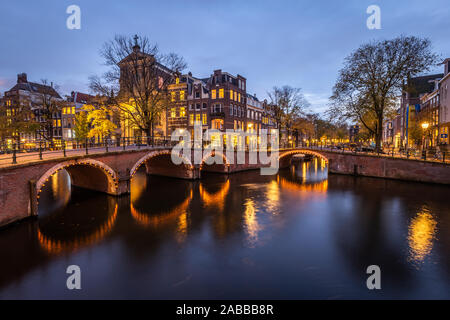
22 78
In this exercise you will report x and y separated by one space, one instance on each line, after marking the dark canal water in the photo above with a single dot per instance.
300 234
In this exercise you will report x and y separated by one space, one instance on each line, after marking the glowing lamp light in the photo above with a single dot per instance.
425 125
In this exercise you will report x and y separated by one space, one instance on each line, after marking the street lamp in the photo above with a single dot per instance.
425 126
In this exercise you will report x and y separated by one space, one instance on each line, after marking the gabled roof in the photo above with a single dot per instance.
80 97
36 88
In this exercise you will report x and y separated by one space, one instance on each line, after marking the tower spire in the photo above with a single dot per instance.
136 47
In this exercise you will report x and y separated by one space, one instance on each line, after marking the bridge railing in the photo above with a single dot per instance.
41 150
62 148
408 154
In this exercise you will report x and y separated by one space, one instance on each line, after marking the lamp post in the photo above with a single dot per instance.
425 126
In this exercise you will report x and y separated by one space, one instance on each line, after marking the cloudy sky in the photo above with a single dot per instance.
271 43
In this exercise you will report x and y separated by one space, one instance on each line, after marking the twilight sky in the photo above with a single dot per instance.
294 42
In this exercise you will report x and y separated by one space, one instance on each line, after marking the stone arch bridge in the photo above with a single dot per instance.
21 184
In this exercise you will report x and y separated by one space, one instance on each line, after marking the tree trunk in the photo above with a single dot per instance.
379 134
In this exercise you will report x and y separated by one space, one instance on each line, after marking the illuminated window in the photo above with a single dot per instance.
182 95
231 94
191 119
173 112
204 118
213 94
177 80
221 93
172 96
197 118
182 112
235 96
239 97
73 110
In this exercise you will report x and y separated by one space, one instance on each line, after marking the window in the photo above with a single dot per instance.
204 105
190 107
182 95
231 110
231 94
213 94
182 112
177 80
239 99
221 93
172 96
197 118
173 112
191 119
197 106
235 96
204 118
197 94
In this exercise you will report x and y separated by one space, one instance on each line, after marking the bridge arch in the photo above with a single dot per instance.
84 171
164 165
215 167
284 156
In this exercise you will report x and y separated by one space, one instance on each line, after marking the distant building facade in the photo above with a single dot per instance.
35 96
444 107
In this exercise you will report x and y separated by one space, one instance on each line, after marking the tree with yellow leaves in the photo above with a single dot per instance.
100 124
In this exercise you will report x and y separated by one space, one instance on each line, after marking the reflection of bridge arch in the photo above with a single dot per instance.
162 218
303 151
216 198
155 154
86 173
56 246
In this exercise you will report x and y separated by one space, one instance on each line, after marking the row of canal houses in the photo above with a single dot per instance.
423 117
219 101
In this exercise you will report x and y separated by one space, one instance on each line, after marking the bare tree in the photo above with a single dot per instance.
137 81
288 104
48 105
372 78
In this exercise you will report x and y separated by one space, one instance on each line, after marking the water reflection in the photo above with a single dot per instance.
299 234
216 198
422 233
152 206
251 222
72 241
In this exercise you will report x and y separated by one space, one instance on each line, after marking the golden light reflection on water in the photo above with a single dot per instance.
318 188
60 186
251 222
55 246
422 232
159 219
273 197
215 199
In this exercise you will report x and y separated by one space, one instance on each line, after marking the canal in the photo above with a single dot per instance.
299 234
